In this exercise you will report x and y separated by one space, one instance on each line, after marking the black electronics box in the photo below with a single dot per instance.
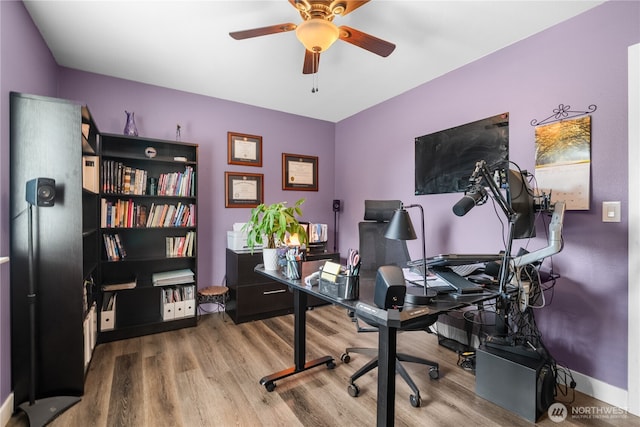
520 384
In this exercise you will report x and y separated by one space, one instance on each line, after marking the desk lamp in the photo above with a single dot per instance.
401 228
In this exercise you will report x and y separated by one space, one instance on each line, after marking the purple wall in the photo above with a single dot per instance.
26 65
580 62
206 121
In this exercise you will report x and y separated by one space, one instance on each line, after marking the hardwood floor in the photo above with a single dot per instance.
209 376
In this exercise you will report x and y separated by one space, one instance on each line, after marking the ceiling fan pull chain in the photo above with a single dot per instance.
314 87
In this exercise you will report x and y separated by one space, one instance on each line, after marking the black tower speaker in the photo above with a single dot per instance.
390 288
41 192
336 205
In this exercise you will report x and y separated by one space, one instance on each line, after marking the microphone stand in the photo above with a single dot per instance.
502 307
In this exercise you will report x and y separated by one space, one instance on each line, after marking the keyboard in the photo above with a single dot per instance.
456 259
461 285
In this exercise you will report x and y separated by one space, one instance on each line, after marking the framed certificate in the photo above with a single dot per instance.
299 172
244 149
243 190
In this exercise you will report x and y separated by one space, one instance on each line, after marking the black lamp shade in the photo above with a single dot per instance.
400 227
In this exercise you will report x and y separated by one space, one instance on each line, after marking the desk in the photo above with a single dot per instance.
387 321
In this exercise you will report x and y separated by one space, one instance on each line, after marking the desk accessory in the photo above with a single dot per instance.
335 284
390 289
401 228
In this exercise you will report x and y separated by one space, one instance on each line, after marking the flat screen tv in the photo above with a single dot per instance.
444 160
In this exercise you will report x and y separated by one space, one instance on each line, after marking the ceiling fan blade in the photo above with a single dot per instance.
366 41
311 62
263 31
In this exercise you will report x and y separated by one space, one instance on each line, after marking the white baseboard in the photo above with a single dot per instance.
6 410
600 390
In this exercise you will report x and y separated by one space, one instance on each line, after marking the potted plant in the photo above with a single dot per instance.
269 225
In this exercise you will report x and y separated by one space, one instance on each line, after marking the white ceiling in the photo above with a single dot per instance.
185 45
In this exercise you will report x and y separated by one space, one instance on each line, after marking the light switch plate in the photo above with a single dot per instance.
610 211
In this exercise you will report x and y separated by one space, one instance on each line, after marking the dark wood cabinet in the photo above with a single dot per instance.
148 211
253 296
49 139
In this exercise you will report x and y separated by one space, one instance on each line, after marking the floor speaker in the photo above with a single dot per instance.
520 384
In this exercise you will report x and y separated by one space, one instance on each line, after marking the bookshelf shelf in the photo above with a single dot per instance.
147 207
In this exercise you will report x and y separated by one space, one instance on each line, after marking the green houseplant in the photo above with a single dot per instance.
269 225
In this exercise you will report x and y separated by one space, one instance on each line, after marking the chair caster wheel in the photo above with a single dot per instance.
270 386
434 373
345 358
331 365
415 400
353 390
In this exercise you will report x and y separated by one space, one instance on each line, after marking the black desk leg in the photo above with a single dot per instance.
387 340
299 345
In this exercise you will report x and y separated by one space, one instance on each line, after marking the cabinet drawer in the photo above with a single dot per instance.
263 298
240 265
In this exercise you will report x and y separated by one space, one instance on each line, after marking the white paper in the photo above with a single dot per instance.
244 189
245 150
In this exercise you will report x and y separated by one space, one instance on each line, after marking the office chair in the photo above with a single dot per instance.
376 250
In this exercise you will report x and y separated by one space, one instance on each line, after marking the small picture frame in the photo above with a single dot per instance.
243 149
243 190
299 172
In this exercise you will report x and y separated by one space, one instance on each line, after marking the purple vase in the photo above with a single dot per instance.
130 127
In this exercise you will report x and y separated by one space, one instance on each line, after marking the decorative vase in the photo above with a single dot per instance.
130 127
270 258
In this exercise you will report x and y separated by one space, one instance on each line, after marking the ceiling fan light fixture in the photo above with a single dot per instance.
317 34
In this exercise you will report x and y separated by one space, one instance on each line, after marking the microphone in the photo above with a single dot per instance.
475 196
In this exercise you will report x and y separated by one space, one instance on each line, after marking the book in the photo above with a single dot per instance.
131 284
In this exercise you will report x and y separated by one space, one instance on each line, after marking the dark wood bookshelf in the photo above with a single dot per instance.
139 311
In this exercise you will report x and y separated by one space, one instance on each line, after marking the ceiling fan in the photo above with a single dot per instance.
317 32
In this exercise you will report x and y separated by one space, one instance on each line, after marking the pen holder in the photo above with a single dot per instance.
344 288
293 269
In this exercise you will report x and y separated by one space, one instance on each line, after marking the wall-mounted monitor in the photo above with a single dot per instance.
444 160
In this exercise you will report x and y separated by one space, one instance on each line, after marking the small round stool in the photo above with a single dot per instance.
213 295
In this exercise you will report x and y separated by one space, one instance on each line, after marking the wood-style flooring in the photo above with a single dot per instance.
209 376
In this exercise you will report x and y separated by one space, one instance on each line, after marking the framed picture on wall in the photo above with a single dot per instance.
243 149
299 172
243 190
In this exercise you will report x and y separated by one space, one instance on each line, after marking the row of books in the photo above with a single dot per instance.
121 179
118 178
122 213
177 183
114 248
182 246
130 214
180 215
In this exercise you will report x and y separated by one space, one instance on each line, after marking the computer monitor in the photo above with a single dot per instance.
520 197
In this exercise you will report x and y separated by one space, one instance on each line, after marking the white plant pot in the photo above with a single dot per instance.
270 258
